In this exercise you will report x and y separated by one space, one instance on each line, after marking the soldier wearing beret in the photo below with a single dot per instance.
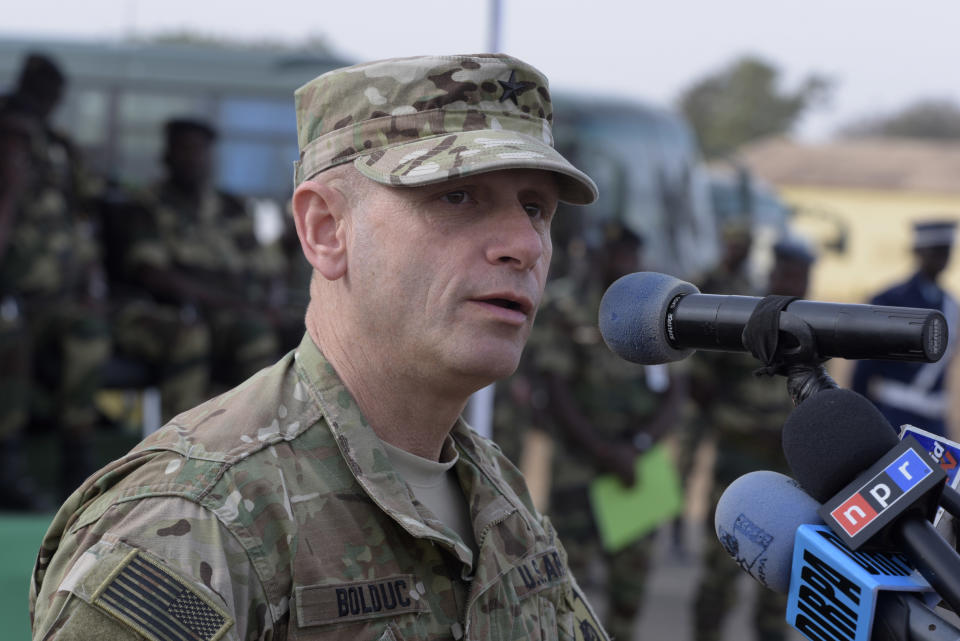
916 393
338 494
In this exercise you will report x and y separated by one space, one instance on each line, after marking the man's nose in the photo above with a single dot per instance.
515 239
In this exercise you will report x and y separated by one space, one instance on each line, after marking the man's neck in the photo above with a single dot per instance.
402 410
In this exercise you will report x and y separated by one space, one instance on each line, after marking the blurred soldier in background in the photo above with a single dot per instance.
745 413
915 393
39 91
603 412
192 253
730 277
53 334
52 286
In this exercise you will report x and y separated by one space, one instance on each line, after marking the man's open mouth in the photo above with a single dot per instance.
506 303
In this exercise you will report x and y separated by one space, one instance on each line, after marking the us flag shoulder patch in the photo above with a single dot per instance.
587 627
159 604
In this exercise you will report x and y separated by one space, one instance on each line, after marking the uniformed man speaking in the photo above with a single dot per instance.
337 494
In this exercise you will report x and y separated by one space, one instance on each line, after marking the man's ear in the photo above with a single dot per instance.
319 212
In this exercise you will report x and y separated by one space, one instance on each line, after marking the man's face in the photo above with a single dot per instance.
447 277
933 260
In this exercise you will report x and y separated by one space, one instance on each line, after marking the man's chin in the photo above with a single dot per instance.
491 366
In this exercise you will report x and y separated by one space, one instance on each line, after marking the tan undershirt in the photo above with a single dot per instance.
435 485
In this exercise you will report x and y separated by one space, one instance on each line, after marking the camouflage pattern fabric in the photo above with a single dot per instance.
175 345
55 341
273 512
51 252
513 414
243 344
746 418
212 241
694 425
612 393
625 584
53 366
418 121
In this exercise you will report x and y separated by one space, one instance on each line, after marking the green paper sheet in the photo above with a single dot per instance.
624 514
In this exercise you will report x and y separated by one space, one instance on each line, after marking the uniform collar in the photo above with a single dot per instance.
371 467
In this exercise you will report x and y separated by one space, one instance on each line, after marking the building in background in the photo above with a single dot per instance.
875 189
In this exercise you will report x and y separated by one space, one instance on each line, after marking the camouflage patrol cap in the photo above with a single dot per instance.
422 120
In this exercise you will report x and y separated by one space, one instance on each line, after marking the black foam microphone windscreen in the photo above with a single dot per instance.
831 437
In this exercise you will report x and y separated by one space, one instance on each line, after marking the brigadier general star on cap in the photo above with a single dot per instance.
512 88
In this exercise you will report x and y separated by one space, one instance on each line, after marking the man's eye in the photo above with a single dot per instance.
455 197
533 210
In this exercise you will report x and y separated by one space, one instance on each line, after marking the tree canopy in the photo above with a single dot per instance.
929 118
743 102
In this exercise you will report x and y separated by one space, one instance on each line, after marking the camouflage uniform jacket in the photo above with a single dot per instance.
272 512
49 252
211 238
747 411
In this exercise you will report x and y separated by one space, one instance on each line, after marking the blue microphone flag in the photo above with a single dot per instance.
834 590
945 453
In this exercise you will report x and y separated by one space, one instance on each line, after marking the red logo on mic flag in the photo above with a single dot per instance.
854 514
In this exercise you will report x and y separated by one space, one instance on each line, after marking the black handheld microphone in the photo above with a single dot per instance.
771 529
874 488
652 318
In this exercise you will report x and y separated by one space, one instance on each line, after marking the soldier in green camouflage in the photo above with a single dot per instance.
730 277
603 413
337 494
53 333
745 413
196 279
38 92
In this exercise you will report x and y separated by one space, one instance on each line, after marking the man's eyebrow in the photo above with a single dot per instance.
541 192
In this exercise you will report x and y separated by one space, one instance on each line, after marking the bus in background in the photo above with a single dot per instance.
646 163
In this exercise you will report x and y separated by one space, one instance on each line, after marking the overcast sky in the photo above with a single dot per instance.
882 54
